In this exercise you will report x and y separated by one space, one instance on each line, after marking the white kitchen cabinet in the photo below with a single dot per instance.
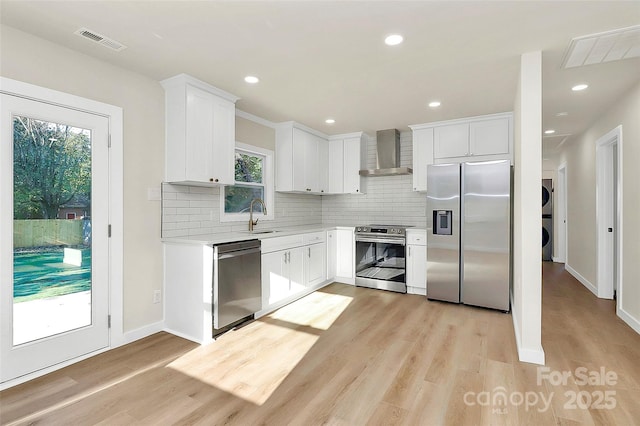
335 166
332 254
200 132
188 299
315 264
416 261
422 157
489 137
300 160
347 156
345 255
474 139
292 266
284 272
451 141
275 273
354 157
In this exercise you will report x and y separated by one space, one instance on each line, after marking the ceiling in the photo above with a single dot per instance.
320 59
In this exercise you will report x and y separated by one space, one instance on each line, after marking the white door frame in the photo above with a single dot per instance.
114 114
560 215
605 214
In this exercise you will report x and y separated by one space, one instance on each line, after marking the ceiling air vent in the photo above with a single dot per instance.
614 45
100 39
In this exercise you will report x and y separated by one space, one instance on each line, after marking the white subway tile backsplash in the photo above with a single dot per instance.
192 210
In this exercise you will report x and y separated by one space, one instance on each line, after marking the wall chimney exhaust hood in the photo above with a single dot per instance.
387 155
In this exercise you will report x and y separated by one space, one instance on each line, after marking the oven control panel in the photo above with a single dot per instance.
380 230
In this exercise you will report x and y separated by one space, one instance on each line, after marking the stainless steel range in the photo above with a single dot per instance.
380 257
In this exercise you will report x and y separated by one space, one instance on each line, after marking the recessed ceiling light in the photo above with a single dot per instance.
330 121
434 104
579 87
251 79
561 114
549 132
393 39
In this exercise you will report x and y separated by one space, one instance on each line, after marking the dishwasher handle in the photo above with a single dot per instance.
237 253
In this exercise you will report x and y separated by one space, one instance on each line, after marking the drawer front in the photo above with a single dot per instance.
281 243
417 237
315 237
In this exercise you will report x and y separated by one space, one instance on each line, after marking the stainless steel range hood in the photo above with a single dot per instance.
387 155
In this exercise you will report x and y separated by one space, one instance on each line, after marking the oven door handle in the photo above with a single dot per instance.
377 239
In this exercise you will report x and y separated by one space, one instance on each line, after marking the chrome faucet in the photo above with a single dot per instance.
264 212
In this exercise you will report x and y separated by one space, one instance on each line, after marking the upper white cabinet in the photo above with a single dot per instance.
300 160
422 156
474 139
488 137
347 156
451 141
200 132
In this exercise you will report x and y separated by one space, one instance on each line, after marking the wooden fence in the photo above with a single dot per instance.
46 232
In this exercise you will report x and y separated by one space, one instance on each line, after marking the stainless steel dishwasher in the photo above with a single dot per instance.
237 287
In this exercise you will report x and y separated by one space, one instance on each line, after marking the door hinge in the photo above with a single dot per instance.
109 231
108 321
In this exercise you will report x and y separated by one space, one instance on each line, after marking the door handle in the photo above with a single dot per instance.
609 229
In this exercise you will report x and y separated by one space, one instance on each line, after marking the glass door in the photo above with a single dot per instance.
53 235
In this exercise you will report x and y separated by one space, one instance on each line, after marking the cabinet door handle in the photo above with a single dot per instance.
409 250
309 252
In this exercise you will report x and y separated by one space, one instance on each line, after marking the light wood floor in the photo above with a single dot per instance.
350 356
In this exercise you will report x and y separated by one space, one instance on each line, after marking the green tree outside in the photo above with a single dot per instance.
51 164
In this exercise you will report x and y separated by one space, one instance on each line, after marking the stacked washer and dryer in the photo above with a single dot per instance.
547 219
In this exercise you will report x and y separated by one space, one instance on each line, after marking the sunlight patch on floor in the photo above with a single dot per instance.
254 374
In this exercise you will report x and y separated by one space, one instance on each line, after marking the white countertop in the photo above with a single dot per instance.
210 239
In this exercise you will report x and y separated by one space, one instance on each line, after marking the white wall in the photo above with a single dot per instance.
37 61
580 157
527 274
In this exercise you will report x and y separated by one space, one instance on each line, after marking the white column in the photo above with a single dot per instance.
527 267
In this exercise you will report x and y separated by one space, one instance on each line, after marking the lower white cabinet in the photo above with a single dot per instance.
332 254
284 272
416 261
315 264
291 267
345 255
188 301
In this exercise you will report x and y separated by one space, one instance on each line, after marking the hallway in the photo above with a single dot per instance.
580 330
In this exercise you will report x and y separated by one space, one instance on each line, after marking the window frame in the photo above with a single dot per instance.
267 181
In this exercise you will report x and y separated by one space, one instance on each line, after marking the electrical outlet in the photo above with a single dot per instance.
156 296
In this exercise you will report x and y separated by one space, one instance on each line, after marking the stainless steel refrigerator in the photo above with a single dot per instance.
469 233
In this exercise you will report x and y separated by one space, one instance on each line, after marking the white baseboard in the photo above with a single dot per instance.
187 337
585 282
140 333
417 290
529 355
629 319
344 280
557 259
